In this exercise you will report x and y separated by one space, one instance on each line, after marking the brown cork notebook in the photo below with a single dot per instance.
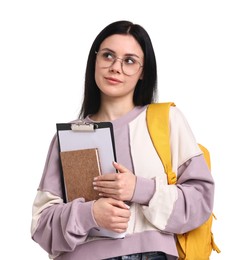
79 167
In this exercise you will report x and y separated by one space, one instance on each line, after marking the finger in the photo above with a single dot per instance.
106 192
119 230
120 204
105 177
121 219
120 225
107 186
120 167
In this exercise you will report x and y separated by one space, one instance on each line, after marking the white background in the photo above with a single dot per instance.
201 55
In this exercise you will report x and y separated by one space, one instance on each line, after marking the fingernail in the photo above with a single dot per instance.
127 206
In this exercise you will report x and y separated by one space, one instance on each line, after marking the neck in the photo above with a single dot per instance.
112 111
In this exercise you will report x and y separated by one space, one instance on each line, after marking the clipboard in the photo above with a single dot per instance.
99 137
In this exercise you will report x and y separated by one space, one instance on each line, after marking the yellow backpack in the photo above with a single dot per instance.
196 244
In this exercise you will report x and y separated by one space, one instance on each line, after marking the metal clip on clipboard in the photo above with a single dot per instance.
84 126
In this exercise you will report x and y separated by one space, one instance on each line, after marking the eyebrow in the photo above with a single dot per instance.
127 54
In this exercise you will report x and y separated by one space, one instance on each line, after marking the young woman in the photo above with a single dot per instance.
120 83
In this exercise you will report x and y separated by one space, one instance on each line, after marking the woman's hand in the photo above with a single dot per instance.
111 214
119 185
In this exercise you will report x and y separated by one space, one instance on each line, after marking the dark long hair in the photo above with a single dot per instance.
145 91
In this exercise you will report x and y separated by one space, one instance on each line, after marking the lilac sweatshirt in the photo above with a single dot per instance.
158 210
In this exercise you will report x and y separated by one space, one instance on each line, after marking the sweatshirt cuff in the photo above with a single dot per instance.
85 211
144 191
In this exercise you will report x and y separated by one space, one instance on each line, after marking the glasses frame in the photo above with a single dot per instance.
121 62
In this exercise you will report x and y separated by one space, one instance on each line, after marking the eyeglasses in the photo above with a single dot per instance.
129 64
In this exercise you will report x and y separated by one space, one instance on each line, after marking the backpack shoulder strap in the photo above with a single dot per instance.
158 127
206 155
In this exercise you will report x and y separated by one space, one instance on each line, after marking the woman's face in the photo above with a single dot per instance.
110 73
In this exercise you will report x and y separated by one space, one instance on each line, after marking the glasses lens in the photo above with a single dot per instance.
105 59
129 65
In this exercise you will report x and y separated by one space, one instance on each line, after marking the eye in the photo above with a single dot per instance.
129 61
108 55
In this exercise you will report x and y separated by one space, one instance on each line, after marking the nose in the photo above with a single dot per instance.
116 66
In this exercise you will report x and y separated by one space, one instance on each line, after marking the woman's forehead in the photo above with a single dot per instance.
122 44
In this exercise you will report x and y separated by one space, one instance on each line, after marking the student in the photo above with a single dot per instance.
120 83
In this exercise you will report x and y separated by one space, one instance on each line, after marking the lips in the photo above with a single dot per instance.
113 80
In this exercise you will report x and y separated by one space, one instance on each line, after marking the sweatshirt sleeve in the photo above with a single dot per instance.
143 196
57 226
195 185
195 188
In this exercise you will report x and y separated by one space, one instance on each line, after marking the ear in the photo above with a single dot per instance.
141 76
